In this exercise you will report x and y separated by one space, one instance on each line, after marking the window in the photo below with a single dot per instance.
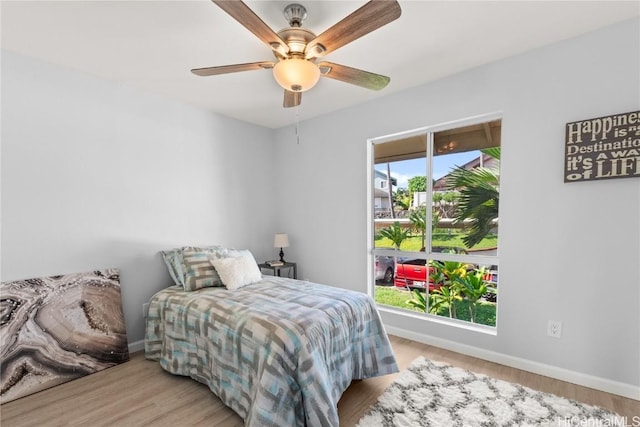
433 239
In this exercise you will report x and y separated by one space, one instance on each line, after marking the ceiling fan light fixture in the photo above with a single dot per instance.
296 75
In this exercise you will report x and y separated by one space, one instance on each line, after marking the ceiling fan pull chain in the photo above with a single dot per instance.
297 126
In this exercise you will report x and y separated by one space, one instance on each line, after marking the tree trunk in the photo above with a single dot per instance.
390 191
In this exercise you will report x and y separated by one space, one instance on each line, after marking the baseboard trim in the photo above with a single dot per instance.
136 346
598 383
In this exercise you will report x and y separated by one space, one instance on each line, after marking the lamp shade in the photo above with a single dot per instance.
281 240
296 75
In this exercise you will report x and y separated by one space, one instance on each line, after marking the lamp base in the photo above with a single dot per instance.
282 256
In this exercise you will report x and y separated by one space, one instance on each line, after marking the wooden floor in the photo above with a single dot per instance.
140 393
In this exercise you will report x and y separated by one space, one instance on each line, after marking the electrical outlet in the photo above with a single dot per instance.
145 309
554 328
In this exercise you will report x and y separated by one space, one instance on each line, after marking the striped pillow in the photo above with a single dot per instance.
173 260
198 270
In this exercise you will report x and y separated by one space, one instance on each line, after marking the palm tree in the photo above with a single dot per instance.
418 219
395 233
479 196
474 286
390 190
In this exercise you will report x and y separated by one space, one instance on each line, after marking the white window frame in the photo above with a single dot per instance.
372 251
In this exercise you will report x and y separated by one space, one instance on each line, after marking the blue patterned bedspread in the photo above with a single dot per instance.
279 352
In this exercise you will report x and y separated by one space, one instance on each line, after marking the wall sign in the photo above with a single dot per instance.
603 148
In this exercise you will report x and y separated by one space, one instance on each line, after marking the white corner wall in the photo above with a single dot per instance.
97 174
568 252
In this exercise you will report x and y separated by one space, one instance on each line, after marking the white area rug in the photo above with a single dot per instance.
437 394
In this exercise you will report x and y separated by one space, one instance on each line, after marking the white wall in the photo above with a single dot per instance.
96 174
575 260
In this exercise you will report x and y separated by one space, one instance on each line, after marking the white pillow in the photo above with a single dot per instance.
236 272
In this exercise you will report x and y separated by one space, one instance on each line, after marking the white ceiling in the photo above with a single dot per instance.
154 44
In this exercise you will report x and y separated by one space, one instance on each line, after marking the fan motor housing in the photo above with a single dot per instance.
296 38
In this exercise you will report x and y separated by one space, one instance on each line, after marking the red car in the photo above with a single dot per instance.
412 274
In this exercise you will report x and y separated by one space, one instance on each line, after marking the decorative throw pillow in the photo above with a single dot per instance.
237 271
198 270
173 260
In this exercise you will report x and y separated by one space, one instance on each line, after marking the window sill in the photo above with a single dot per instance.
461 324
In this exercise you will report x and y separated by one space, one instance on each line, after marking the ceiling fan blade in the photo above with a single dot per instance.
368 18
291 99
252 22
353 75
225 69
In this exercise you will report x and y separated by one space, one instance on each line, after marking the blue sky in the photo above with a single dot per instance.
406 169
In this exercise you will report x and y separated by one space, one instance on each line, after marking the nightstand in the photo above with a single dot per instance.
292 266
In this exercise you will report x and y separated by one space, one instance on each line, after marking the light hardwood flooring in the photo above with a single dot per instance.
140 393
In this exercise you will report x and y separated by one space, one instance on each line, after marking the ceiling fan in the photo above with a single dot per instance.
296 49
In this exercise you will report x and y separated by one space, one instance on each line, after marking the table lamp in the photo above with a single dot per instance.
281 240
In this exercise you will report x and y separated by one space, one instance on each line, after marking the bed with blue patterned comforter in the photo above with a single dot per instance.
279 352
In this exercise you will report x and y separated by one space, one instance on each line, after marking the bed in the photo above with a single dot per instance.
279 352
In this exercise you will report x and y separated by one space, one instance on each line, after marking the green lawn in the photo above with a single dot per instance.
388 295
446 238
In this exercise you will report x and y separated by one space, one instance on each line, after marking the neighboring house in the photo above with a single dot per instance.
381 192
381 200
420 197
480 161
